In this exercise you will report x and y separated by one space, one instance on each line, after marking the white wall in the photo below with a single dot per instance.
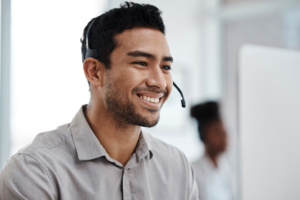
48 83
269 123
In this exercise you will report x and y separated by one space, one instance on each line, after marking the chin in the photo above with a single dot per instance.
148 121
151 124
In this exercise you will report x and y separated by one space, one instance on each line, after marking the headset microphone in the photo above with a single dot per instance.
93 53
182 100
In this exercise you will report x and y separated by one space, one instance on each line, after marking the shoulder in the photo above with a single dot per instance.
168 157
164 150
29 167
45 149
47 141
24 175
38 155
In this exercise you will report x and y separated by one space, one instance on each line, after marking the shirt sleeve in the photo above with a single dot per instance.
193 187
23 177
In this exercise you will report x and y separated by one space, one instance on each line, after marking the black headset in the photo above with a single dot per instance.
93 53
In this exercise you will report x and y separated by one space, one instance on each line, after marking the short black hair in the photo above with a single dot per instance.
115 21
205 114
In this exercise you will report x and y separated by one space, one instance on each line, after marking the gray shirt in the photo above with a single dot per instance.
70 163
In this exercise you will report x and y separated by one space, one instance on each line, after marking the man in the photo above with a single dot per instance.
103 153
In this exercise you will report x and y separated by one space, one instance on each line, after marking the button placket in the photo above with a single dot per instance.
126 186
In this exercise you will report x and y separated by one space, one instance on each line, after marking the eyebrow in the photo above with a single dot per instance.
168 58
148 55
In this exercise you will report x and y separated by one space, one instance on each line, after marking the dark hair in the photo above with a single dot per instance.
115 21
205 114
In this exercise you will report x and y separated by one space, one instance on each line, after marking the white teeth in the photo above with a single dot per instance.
153 100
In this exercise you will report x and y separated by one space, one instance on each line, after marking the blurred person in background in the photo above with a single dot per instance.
212 171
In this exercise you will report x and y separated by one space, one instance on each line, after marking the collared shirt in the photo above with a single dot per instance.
215 183
69 163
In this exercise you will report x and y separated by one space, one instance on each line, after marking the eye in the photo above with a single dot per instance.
141 63
166 67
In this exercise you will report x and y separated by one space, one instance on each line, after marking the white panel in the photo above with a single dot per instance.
270 123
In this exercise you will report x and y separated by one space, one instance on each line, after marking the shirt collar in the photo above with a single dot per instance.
88 146
86 143
143 147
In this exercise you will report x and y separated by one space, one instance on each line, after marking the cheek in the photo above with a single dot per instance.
169 82
128 79
213 139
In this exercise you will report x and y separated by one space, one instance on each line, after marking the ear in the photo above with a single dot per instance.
94 71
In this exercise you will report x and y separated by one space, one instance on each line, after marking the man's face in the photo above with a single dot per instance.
139 81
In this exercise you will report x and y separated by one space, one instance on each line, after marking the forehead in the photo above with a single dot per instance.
142 39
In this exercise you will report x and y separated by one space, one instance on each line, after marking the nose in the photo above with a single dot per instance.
156 78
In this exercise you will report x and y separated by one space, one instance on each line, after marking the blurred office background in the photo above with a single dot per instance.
43 84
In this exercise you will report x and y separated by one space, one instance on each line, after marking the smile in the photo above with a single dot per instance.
150 99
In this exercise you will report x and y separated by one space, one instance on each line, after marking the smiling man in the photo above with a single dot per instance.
103 153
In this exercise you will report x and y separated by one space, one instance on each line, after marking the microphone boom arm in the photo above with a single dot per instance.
182 100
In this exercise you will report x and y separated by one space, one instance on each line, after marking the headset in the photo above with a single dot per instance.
93 53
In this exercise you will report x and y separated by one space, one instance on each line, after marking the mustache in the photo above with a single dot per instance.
149 89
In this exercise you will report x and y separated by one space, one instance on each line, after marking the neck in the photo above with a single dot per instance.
213 156
118 141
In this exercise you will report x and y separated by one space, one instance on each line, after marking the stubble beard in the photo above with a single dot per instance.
123 110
